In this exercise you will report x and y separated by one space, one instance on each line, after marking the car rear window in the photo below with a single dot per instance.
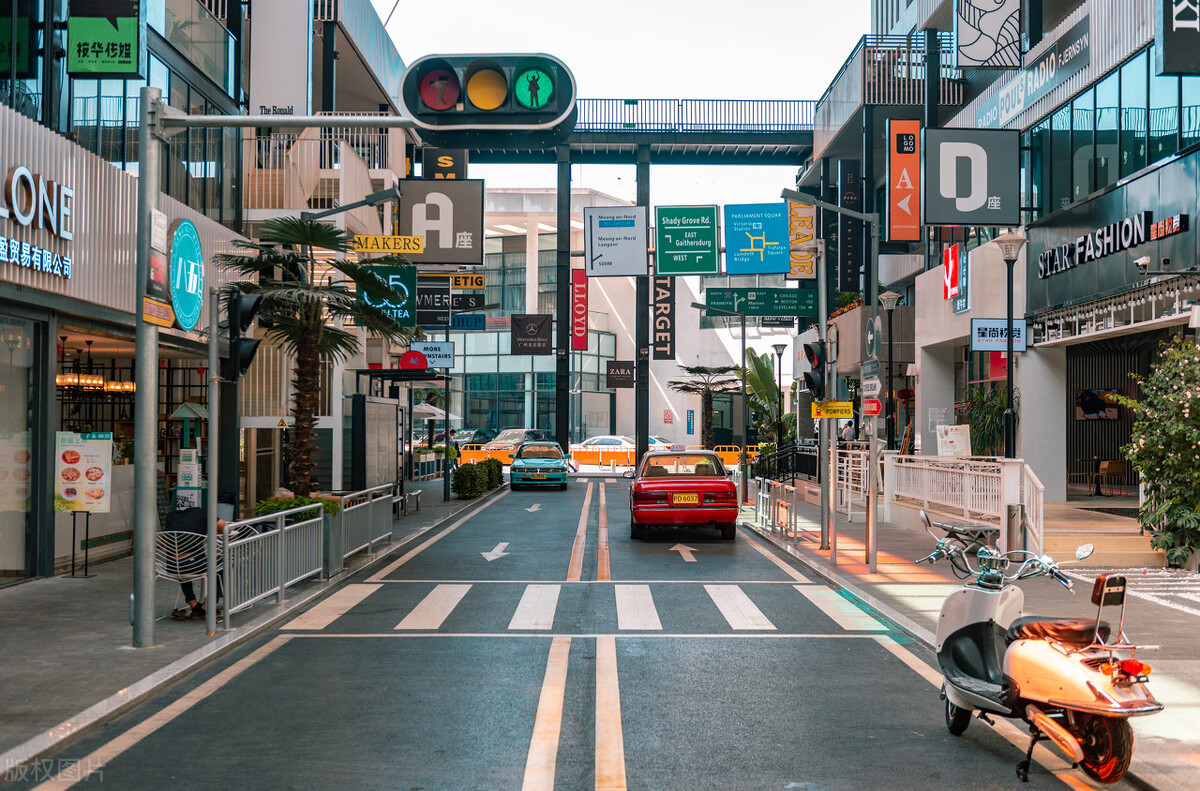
539 452
682 464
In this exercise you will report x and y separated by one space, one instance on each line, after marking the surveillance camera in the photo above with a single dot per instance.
1142 263
1166 263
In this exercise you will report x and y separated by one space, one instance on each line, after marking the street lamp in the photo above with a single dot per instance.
889 299
779 349
745 470
1010 247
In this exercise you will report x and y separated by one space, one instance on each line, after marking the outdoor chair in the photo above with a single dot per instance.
1112 471
179 556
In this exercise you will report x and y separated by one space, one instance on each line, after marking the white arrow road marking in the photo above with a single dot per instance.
498 552
685 552
534 507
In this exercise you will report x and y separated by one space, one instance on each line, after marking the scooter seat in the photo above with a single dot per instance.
1071 632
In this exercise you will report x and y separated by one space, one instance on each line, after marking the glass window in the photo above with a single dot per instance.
1060 158
477 382
608 346
544 381
1082 149
1164 116
1190 115
1133 114
1039 165
1108 103
21 454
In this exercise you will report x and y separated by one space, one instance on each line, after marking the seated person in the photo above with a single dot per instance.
192 520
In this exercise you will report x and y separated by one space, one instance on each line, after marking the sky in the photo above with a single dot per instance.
651 49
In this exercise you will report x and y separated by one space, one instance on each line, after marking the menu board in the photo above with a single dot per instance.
954 440
14 471
82 471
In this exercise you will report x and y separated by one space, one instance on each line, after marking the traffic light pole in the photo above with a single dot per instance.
642 308
562 370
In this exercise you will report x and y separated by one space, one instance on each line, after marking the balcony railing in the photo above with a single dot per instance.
695 115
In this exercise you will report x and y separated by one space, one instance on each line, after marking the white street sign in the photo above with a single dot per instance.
438 354
614 241
871 387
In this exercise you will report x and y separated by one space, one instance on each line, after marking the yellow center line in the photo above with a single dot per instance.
602 569
575 568
610 740
547 725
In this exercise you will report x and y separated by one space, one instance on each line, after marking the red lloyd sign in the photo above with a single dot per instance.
579 310
663 341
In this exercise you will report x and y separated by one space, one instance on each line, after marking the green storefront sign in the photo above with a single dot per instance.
402 280
106 38
686 240
763 301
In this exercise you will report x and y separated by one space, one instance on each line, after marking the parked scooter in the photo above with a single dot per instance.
1073 680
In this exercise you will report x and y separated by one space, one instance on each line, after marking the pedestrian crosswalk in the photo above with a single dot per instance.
635 606
1179 590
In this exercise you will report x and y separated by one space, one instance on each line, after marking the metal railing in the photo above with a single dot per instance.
1033 498
695 115
264 555
788 461
851 484
970 487
363 518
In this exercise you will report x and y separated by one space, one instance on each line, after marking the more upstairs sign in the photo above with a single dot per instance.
1107 240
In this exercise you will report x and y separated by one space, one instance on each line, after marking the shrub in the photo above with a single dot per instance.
469 480
495 472
276 504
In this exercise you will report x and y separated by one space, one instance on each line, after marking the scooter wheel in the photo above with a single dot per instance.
957 719
1107 747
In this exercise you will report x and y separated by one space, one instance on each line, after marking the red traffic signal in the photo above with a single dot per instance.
814 380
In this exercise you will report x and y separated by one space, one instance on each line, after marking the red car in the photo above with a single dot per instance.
674 489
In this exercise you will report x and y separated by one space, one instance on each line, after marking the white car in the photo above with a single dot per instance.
608 442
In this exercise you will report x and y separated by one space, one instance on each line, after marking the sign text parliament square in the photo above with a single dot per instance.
756 239
686 240
615 241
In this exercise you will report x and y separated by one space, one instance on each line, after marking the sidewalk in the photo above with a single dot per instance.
1167 752
67 665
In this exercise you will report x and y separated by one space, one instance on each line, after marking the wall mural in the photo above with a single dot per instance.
988 33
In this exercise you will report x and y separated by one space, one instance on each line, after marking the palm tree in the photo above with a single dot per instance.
300 298
762 391
706 382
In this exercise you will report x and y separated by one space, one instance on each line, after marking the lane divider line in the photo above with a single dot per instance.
635 608
537 608
603 572
738 610
778 561
610 739
105 754
433 610
575 567
843 612
547 724
335 606
412 553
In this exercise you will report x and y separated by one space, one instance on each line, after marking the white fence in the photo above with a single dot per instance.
366 517
268 554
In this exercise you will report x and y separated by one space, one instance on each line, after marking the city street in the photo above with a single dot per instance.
531 644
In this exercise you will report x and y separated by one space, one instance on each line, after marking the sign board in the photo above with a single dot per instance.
615 241
872 407
460 281
579 310
937 417
468 322
668 416
663 332
398 245
82 471
904 180
686 240
763 301
433 301
872 337
869 368
531 334
402 280
988 39
187 274
833 409
1067 56
106 38
991 335
802 224
443 163
438 354
465 301
756 239
954 440
412 361
620 374
849 230
448 214
951 271
971 177
777 321
871 387
691 421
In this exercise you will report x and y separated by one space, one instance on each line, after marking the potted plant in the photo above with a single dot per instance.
1164 448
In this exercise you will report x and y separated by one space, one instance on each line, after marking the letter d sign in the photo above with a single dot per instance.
976 159
971 177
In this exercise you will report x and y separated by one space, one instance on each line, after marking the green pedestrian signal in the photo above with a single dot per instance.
533 88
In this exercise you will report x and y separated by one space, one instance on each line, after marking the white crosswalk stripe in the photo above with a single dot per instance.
1179 590
434 608
737 608
536 610
635 608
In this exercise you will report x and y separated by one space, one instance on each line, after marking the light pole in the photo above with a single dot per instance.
1010 247
779 349
889 299
745 407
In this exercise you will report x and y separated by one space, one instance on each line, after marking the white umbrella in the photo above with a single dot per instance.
423 411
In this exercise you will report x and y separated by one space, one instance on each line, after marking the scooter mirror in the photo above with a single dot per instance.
1084 551
928 524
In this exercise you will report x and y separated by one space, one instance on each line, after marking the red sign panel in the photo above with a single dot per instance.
411 360
904 181
950 281
579 310
668 416
872 406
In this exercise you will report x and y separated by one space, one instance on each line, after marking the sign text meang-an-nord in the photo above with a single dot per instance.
33 201
1107 240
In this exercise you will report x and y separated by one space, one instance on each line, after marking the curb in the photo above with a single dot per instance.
96 716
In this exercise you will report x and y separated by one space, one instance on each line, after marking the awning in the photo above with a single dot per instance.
423 411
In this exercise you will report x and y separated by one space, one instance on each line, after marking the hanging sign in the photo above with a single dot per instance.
402 280
82 471
614 241
531 334
686 240
756 239
904 180
579 310
619 375
187 275
106 38
663 340
802 223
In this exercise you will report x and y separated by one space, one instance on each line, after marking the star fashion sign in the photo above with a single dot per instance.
1107 240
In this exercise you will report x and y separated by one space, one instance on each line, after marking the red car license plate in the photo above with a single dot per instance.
685 498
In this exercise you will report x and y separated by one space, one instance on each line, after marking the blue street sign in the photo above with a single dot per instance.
756 239
467 321
691 421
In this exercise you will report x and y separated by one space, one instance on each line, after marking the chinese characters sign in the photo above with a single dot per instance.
106 38
82 471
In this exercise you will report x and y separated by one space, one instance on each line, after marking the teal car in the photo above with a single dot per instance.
538 464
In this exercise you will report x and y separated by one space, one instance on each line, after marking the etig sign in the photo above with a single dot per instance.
971 177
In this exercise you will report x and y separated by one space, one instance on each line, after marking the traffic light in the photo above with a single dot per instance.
814 380
458 99
240 309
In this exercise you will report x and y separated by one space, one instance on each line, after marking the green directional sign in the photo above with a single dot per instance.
686 240
763 301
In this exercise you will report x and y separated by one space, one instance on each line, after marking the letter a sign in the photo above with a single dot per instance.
903 180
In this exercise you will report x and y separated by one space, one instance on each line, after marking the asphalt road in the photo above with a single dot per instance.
532 645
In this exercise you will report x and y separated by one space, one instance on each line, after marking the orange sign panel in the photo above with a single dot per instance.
904 180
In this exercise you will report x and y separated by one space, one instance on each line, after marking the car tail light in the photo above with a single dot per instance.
648 498
721 498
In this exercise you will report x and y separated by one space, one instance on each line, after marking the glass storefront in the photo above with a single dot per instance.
16 448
